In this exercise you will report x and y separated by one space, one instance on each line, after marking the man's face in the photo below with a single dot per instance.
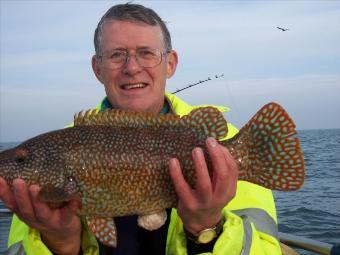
133 87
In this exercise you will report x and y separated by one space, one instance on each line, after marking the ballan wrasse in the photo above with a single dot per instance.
116 162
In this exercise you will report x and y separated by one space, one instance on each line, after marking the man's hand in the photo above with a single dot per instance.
201 207
60 228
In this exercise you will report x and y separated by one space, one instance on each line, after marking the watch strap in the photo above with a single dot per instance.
206 235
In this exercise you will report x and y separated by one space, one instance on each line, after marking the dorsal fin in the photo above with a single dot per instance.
120 118
209 120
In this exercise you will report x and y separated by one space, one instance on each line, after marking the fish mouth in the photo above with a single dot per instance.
133 86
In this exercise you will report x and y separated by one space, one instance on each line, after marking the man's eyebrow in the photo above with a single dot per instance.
118 48
146 48
126 49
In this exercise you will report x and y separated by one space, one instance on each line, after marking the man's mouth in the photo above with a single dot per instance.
133 86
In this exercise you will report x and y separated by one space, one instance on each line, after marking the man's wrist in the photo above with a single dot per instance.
208 222
205 235
195 244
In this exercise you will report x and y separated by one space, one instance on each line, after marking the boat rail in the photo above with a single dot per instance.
5 213
288 239
309 244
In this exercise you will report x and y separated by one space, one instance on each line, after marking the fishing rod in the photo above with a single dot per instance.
197 83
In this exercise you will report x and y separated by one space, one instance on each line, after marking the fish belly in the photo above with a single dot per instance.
125 171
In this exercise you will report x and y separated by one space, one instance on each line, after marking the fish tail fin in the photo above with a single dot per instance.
267 151
207 119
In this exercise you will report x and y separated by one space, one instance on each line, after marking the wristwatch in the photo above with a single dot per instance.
206 235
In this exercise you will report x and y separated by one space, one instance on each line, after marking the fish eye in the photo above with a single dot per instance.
20 155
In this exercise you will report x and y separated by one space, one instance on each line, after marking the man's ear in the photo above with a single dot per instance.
172 61
96 67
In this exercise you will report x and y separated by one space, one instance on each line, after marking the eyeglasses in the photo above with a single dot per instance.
146 57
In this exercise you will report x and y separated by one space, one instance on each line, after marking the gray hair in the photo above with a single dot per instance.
133 13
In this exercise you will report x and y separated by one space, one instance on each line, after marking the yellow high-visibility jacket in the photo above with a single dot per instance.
250 218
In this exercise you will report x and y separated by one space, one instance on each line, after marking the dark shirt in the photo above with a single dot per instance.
134 240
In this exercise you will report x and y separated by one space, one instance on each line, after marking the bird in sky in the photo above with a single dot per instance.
283 29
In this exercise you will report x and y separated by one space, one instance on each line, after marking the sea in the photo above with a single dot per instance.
313 211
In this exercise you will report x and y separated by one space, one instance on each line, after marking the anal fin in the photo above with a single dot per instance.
104 229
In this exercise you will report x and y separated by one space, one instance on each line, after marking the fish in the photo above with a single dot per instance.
117 162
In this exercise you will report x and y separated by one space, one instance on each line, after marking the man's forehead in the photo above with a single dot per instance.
110 22
114 28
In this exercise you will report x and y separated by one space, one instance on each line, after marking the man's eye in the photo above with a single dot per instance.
146 53
117 55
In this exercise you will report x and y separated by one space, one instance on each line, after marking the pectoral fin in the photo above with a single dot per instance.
152 221
104 229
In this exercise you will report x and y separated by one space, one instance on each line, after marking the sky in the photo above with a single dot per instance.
46 49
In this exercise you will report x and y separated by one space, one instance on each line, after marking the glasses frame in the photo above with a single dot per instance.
129 55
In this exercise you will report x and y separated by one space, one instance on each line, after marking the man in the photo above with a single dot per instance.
133 60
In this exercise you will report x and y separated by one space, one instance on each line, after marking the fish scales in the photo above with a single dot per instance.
116 162
129 169
115 170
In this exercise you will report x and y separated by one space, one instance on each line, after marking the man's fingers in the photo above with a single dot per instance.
23 201
182 188
6 195
218 160
203 185
225 170
227 180
42 211
74 204
69 211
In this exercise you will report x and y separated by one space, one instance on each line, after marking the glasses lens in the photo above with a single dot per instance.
146 57
115 58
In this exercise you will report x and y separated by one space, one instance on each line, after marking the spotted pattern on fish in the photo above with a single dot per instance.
267 150
104 229
116 162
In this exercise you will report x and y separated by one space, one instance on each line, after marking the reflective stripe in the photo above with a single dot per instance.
261 219
15 249
248 235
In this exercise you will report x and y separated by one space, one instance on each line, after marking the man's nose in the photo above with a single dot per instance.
131 65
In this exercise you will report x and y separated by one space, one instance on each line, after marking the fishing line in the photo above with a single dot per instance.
233 102
197 83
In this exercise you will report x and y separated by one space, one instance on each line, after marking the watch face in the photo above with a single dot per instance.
206 236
